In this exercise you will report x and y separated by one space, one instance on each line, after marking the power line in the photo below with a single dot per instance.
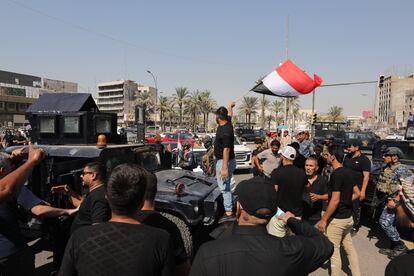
110 37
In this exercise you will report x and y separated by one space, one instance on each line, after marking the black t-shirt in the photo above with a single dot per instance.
357 165
341 180
93 209
291 182
313 211
155 219
113 248
224 139
299 161
402 265
11 238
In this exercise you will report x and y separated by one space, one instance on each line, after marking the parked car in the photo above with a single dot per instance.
242 153
172 137
245 134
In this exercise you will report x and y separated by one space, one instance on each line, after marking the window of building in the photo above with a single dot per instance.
11 106
1 105
22 107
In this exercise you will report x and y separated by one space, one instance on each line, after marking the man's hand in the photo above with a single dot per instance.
71 212
322 226
61 189
35 155
285 217
224 172
314 197
391 204
261 169
232 104
17 153
362 196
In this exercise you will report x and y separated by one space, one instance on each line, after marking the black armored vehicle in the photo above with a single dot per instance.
66 126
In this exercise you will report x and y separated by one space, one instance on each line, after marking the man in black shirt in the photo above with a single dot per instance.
259 148
250 250
337 220
316 193
150 217
300 160
225 159
321 161
93 208
361 167
122 246
16 258
289 182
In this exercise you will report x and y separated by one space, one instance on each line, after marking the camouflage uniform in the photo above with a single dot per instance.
208 162
390 183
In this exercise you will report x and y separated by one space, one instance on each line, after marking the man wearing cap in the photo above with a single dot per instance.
361 167
267 140
389 184
269 159
250 250
304 144
289 182
225 159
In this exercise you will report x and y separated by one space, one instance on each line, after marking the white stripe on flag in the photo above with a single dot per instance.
279 86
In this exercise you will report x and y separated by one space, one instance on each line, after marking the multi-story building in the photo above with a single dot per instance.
118 97
394 101
18 91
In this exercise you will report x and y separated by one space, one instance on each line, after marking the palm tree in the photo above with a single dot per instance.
193 107
208 104
335 113
163 107
277 108
181 94
248 107
144 98
269 119
264 105
171 113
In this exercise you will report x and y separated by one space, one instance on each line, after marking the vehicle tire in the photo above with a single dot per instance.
185 233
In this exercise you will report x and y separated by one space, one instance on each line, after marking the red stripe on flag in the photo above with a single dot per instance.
297 78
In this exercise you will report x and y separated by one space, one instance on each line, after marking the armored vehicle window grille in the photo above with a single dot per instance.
47 124
71 124
103 125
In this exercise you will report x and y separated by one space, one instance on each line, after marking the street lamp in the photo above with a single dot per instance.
156 94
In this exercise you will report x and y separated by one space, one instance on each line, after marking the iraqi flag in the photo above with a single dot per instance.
287 80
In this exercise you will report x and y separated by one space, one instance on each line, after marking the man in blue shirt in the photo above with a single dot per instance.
16 257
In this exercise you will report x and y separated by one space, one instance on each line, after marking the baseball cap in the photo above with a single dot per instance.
256 193
289 153
394 151
354 142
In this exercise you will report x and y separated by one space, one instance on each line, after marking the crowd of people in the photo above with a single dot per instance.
301 206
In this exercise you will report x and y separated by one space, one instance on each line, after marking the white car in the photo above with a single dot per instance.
241 152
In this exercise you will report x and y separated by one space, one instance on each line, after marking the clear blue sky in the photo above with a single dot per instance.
223 46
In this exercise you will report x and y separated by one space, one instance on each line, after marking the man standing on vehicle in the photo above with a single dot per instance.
337 220
388 184
361 167
225 158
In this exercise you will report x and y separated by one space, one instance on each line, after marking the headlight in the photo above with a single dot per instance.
196 209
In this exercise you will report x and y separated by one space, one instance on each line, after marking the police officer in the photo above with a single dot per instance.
208 157
389 185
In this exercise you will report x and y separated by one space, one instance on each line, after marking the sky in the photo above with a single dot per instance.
221 46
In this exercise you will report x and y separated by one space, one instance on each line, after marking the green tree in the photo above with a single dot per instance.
193 107
264 105
248 107
269 120
181 95
145 98
208 104
163 107
277 107
335 113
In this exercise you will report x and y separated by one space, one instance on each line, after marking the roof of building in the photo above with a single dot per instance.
63 102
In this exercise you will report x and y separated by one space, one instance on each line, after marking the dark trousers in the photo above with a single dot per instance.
19 263
356 212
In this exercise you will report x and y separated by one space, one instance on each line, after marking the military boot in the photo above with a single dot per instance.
400 249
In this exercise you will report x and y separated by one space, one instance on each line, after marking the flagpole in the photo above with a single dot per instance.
286 56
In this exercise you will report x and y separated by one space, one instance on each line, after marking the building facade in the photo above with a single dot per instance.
394 101
18 91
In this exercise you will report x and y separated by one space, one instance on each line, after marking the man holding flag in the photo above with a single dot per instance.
225 159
